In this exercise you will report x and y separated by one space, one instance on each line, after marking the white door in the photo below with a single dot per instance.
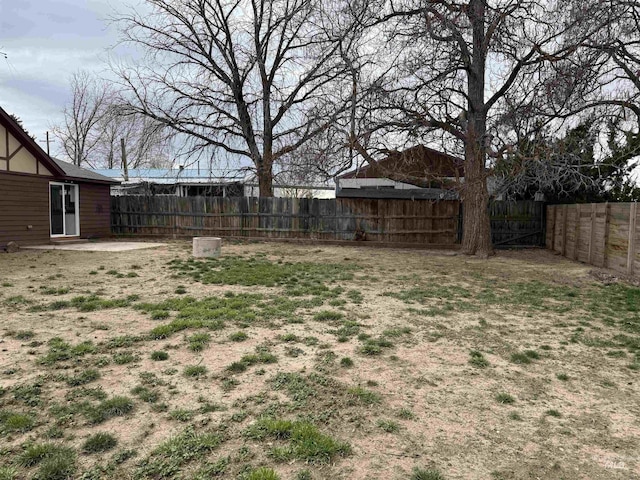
64 211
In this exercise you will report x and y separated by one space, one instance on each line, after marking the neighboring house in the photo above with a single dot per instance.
417 172
192 182
43 198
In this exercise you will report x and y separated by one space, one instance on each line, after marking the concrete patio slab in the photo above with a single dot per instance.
98 246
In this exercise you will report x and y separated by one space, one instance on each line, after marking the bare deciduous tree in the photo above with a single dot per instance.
78 136
147 142
95 123
458 68
253 78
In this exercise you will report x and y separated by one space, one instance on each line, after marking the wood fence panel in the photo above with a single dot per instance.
383 220
605 235
618 243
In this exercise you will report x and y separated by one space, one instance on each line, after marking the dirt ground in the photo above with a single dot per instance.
567 409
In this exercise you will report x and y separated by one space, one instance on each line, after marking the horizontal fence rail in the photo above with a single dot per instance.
601 234
382 220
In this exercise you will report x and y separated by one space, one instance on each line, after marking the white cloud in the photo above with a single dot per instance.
46 41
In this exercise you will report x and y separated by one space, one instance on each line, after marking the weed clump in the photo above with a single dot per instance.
198 341
159 355
168 458
346 362
524 358
84 377
99 442
426 474
113 407
238 336
363 396
262 356
263 473
55 462
195 371
305 441
477 359
388 426
16 422
505 398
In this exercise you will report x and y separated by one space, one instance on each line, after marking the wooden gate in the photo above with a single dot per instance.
517 224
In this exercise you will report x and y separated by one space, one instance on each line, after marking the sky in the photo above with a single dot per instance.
45 41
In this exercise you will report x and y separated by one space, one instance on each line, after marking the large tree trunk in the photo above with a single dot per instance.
265 180
476 225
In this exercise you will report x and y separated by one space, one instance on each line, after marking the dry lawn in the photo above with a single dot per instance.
298 362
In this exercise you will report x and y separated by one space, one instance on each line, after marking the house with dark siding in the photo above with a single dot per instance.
418 172
44 199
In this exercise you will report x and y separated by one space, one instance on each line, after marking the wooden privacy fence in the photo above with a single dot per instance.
601 234
383 220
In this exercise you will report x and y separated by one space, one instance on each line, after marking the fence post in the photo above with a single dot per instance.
607 222
576 233
565 211
460 223
553 225
633 208
592 233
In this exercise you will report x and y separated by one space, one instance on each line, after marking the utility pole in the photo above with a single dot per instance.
125 168
48 143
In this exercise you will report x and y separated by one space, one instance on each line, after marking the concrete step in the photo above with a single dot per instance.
67 241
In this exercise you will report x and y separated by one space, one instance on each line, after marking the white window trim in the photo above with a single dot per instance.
64 224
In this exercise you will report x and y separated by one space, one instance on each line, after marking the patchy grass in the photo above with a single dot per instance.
159 355
114 407
388 426
303 441
505 398
281 360
477 359
426 474
84 377
238 336
195 371
167 459
252 271
99 442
